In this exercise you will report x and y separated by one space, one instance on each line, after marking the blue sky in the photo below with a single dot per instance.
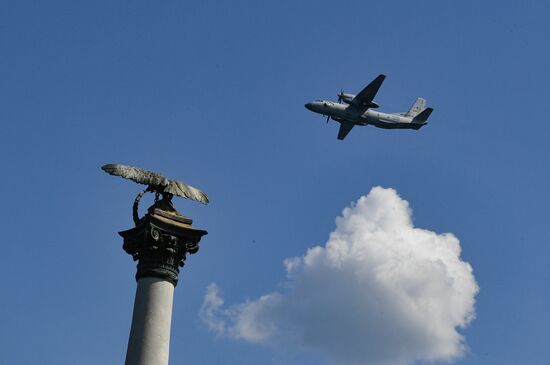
213 93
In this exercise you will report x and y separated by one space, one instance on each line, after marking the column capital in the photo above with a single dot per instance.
161 241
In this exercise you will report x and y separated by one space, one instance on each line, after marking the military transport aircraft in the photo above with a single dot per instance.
357 111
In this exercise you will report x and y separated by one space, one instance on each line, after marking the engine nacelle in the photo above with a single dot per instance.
347 98
373 105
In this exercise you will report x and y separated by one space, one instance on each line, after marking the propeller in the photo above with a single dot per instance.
328 118
340 96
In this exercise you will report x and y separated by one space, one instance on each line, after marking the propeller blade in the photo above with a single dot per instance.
340 96
328 118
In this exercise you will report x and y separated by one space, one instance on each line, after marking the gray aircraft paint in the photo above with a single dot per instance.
357 110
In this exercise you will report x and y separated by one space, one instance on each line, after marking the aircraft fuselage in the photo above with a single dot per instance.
340 112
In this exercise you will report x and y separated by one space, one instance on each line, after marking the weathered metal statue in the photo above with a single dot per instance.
163 237
157 184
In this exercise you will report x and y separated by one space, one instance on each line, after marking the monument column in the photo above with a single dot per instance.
150 334
160 243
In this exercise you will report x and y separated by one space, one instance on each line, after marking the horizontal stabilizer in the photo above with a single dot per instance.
423 116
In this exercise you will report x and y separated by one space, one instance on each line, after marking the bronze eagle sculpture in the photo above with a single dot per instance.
156 183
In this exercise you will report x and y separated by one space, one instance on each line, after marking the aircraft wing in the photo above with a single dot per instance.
363 100
345 128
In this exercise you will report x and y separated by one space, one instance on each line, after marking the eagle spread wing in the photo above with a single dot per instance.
179 188
141 176
156 182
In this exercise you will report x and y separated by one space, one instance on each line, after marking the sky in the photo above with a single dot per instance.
213 93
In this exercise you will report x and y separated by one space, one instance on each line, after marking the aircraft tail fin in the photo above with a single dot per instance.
423 116
418 106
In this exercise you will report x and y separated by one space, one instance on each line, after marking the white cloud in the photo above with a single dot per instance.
379 292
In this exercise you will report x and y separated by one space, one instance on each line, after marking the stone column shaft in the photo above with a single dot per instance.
149 341
160 243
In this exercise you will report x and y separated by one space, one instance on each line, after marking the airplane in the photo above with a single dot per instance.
357 110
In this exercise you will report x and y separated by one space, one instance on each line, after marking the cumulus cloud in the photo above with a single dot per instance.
380 291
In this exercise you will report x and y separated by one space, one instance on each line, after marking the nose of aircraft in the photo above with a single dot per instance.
308 106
